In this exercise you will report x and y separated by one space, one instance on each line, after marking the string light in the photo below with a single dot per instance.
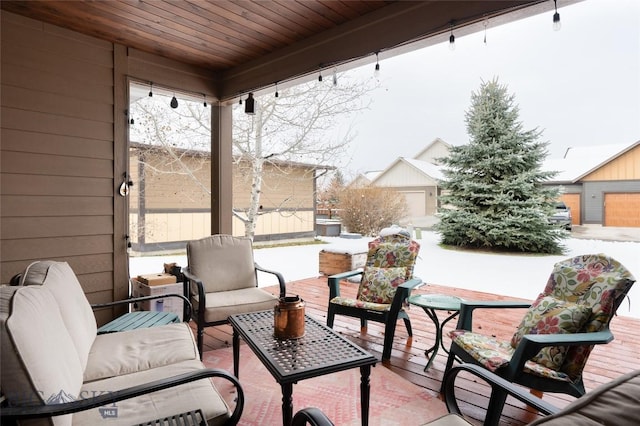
276 89
151 89
376 71
250 105
486 22
556 17
452 40
335 76
204 98
320 75
174 102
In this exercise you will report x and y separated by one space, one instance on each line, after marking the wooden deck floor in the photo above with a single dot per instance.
408 360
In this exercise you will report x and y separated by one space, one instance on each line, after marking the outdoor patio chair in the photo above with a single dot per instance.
614 403
554 339
221 279
386 283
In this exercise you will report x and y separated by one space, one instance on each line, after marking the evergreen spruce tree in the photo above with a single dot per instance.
493 192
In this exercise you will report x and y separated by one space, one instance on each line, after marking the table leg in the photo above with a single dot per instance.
449 318
236 354
433 350
439 341
287 403
365 392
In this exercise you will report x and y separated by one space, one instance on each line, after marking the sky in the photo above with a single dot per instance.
579 85
521 276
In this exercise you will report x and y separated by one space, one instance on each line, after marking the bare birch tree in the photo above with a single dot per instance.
297 126
303 124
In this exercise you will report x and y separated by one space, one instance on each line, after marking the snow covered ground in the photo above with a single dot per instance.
516 275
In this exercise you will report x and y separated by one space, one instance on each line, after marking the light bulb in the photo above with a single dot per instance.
556 22
452 42
556 17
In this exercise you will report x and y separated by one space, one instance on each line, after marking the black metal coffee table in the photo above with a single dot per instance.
320 351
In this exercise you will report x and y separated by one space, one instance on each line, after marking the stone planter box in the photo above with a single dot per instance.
335 262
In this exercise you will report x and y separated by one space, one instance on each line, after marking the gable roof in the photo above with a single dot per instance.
425 169
581 161
431 146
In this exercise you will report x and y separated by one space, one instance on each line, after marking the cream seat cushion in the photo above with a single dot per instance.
115 354
39 360
232 269
200 394
237 302
78 317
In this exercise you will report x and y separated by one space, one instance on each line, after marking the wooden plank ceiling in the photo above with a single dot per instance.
242 37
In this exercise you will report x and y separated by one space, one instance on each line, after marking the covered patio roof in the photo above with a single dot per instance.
252 45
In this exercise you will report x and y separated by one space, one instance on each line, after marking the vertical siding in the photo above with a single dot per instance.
625 167
57 152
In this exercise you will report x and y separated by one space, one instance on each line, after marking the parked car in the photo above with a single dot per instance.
561 216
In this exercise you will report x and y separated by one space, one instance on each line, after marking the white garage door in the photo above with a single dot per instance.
415 202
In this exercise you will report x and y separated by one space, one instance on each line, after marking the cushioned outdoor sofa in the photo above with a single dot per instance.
56 370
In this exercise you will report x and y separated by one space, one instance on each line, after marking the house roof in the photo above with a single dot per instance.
433 142
579 162
250 45
202 153
432 170
428 170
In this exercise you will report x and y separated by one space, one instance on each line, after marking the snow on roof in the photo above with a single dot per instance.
580 161
371 175
432 170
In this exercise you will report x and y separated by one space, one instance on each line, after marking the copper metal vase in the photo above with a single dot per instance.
288 318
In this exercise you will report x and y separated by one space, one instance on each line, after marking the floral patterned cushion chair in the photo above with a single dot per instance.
386 283
554 339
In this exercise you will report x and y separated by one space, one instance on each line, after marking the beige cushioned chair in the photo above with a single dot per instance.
222 279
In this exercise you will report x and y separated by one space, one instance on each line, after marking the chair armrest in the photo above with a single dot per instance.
496 382
281 283
465 319
530 345
402 294
186 302
38 411
411 284
311 415
334 282
202 296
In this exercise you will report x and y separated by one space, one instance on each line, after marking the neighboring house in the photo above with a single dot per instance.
364 179
176 206
601 184
417 178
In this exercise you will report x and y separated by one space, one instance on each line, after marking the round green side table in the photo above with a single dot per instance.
432 303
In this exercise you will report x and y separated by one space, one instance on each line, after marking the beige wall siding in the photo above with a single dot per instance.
64 149
177 208
402 175
283 187
625 167
57 152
